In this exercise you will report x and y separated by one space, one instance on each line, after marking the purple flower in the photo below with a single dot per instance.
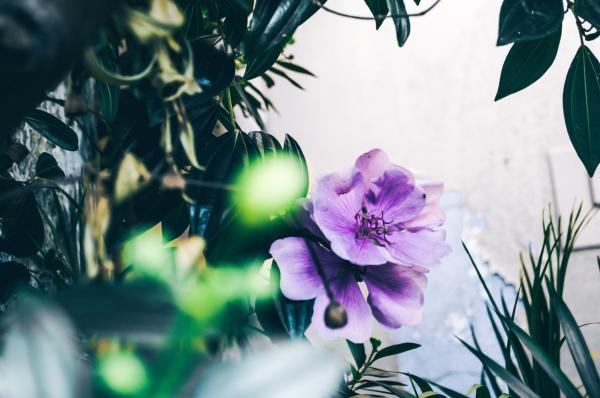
376 213
383 229
395 292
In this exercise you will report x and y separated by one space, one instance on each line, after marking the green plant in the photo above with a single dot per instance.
532 366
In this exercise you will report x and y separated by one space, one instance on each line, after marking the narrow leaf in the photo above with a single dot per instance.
577 345
402 23
396 349
514 383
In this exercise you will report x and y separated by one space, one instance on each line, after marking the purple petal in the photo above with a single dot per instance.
432 214
421 247
396 197
299 276
346 291
336 201
395 294
373 164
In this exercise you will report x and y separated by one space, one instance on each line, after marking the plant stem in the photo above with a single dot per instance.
229 106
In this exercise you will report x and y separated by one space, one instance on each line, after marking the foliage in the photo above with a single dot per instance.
534 28
151 262
532 358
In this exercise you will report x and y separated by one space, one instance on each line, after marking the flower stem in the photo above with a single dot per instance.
229 106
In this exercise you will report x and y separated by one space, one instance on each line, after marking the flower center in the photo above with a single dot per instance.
372 226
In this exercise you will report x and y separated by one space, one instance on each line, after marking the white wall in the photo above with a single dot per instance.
430 106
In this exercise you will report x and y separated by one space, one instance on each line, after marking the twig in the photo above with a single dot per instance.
380 16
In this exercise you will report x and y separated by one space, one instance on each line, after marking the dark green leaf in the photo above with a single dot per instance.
12 276
194 20
176 222
526 62
528 19
284 75
551 367
46 167
295 68
291 147
589 10
256 66
402 23
107 93
358 353
53 129
273 23
379 9
213 69
265 142
513 382
577 345
581 106
20 220
395 350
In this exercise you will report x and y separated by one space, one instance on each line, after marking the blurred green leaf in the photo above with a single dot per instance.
21 223
53 129
13 275
526 62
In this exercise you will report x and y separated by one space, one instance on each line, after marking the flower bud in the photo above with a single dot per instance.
335 315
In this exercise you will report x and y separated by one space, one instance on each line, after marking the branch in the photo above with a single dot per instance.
365 18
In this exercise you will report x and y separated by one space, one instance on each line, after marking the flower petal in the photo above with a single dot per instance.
395 196
346 291
299 276
432 214
336 201
422 247
395 294
373 164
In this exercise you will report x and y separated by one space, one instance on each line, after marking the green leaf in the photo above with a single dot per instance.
273 23
256 66
402 23
286 77
528 19
379 9
53 129
20 221
513 382
526 62
542 358
295 68
396 349
589 10
292 148
581 106
47 167
577 345
358 353
12 276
